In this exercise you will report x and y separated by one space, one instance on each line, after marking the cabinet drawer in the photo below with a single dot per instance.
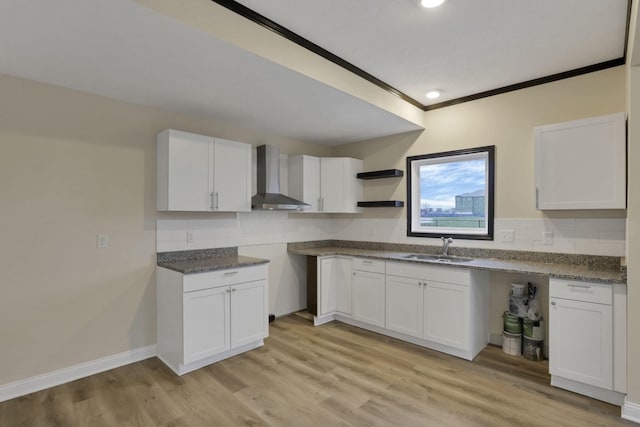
428 272
231 276
372 265
599 293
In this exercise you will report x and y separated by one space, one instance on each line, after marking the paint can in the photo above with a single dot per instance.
512 324
533 349
512 343
517 289
533 329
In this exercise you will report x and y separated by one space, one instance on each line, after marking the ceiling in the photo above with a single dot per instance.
120 49
464 47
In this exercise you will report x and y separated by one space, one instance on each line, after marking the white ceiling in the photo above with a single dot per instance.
463 47
120 49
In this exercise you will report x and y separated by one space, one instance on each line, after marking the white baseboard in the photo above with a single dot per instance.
631 411
72 373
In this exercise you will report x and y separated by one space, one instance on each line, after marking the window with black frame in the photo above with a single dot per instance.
451 194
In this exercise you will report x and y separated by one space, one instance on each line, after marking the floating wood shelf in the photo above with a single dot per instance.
387 173
382 204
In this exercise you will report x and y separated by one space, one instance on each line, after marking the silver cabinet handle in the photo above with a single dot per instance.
230 273
233 290
228 291
571 285
367 262
553 303
217 201
213 206
537 197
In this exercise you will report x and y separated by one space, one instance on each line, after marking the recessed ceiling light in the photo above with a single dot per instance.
432 3
433 94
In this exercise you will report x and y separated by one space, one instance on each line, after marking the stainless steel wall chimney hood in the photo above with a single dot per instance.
268 196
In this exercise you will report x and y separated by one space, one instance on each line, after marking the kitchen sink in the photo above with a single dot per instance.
437 258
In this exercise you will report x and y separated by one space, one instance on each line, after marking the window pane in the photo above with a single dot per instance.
452 195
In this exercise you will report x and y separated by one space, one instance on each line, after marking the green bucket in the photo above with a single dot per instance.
512 323
533 329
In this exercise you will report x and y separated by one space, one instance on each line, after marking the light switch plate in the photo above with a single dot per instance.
102 241
547 237
506 235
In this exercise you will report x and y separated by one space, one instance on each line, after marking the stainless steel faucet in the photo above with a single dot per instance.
446 241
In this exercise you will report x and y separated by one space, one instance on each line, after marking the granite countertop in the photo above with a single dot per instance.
200 261
556 265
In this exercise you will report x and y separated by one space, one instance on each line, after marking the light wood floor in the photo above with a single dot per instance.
332 375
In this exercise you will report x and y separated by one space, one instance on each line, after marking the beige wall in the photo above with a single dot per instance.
73 165
505 121
633 216
633 240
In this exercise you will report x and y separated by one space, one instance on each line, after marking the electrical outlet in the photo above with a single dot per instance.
547 237
506 235
102 241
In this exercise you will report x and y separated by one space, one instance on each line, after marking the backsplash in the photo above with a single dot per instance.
597 236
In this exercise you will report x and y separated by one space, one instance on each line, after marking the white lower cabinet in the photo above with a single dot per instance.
207 317
450 316
368 297
437 307
334 293
405 305
587 324
206 323
446 314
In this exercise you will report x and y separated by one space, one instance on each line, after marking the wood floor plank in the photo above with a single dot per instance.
331 375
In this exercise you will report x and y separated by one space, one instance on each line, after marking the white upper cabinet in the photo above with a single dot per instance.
201 173
304 180
340 188
581 164
328 184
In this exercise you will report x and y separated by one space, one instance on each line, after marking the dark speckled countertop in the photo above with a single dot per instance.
572 267
200 261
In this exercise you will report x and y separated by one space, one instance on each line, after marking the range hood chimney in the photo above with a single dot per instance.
268 196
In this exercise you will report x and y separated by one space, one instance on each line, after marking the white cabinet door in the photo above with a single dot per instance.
231 176
248 316
327 288
332 184
446 314
184 161
580 341
404 305
581 164
334 293
340 189
304 180
206 323
342 280
368 298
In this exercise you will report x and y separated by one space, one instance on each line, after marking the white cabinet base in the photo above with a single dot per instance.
605 395
467 355
181 368
322 319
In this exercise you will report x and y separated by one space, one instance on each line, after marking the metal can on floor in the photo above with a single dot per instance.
512 343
